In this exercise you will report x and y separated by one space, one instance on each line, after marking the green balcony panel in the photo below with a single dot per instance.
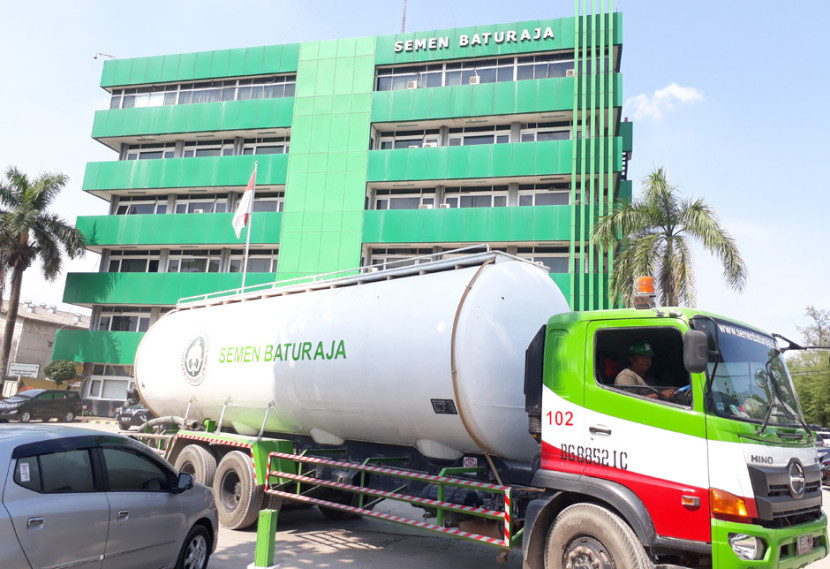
625 190
203 65
185 172
481 41
508 98
460 162
96 346
492 225
627 134
180 229
150 288
200 117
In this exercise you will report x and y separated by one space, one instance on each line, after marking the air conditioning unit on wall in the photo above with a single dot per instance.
569 73
475 80
198 211
430 144
411 84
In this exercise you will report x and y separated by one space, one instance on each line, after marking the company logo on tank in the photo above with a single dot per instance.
289 351
194 359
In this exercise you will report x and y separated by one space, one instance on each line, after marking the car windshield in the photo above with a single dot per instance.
748 378
27 394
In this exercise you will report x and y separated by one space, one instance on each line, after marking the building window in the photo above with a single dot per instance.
203 148
129 319
472 72
151 151
395 258
408 139
540 132
476 196
268 201
141 205
259 261
275 145
133 262
205 203
405 198
269 87
194 261
555 259
544 194
469 136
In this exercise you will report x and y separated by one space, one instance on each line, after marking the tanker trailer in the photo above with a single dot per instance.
428 357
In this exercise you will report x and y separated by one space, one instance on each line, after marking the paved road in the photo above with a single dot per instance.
305 539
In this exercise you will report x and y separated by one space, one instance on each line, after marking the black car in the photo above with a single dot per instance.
132 415
42 404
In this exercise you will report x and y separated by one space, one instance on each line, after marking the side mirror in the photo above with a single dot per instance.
695 351
185 482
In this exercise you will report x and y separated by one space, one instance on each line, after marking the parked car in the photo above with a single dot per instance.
134 415
824 461
42 404
72 497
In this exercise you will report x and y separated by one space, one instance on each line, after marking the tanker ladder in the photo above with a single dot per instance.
287 479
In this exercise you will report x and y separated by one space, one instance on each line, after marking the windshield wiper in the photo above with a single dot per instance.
794 346
778 397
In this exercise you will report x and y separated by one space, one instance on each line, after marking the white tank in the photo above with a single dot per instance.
430 357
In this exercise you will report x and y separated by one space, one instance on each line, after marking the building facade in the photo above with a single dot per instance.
34 336
370 151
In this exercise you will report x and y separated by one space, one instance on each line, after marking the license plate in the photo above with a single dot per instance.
804 544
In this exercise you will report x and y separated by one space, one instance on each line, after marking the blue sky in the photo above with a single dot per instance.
731 96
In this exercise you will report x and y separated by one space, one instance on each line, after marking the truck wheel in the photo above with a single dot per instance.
199 462
587 535
124 425
237 497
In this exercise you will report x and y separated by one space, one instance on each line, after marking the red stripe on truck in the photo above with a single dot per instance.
662 498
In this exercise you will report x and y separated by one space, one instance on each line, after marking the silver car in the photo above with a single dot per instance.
81 498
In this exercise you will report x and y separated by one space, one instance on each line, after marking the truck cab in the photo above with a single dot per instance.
705 463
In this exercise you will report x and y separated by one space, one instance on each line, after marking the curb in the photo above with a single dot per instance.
96 421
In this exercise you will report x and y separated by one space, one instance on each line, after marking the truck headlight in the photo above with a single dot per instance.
747 547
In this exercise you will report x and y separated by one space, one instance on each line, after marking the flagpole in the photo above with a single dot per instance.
248 238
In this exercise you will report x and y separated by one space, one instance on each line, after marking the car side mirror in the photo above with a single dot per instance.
695 351
185 482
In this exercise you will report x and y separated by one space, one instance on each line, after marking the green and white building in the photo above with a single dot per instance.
369 150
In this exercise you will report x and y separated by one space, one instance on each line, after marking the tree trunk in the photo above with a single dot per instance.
11 320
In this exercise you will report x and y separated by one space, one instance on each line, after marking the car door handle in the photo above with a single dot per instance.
599 430
123 515
34 522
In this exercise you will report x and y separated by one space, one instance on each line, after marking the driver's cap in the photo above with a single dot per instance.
641 348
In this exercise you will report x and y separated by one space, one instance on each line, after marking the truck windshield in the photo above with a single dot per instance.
748 378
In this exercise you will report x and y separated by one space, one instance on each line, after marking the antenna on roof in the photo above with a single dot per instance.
403 18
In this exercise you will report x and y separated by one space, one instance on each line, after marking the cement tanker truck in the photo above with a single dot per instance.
465 387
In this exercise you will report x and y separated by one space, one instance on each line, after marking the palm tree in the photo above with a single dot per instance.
652 237
29 232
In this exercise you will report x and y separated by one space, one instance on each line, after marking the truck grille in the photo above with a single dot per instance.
778 504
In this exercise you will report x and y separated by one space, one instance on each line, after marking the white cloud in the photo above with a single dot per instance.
643 106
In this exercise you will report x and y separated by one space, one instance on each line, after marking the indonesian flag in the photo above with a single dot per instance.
243 212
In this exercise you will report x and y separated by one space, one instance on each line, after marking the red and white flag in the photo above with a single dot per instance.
243 211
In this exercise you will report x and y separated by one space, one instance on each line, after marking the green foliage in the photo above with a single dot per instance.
60 371
811 369
652 236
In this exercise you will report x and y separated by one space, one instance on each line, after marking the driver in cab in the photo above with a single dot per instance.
640 355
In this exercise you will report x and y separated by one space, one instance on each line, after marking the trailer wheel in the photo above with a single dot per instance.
587 535
199 462
237 498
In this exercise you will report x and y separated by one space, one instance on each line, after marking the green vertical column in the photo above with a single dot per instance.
326 185
611 132
574 164
603 105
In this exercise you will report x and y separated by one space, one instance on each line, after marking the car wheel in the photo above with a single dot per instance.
237 496
68 417
25 417
195 550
